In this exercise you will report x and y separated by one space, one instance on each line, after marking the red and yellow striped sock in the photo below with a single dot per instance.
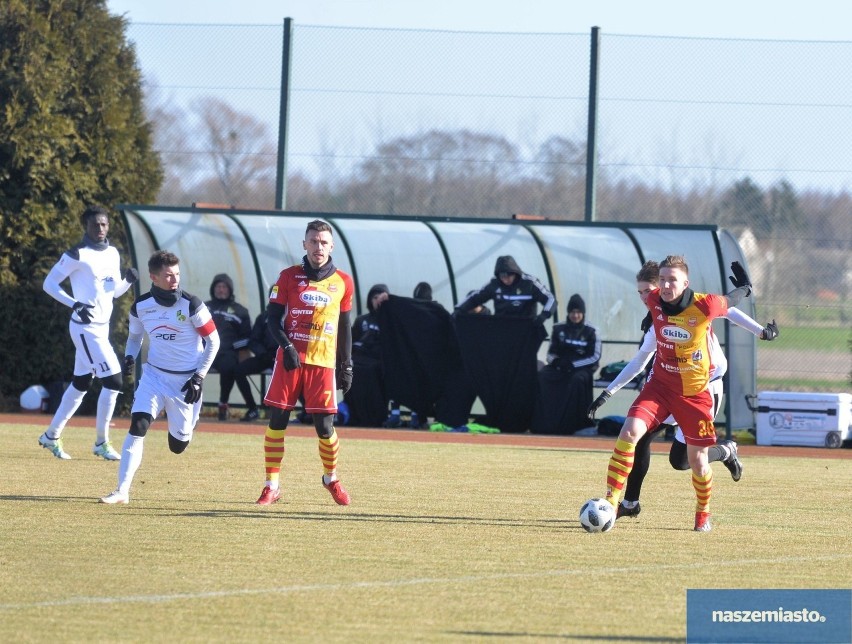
273 454
620 464
703 488
328 448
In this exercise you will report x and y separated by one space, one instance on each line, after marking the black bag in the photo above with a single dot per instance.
610 425
611 370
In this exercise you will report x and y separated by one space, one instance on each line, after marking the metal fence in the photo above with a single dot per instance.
750 134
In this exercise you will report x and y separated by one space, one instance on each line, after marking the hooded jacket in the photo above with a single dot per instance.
519 299
365 329
574 346
231 319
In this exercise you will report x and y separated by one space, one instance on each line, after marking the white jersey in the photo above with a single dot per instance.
174 333
95 277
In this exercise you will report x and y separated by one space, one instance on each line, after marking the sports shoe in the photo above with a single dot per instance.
55 447
733 463
624 511
106 452
251 414
116 498
269 496
702 522
340 496
223 411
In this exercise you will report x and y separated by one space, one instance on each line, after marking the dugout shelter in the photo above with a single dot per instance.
597 260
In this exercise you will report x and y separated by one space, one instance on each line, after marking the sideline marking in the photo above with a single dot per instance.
153 599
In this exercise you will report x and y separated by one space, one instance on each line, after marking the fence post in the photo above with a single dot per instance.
283 119
592 134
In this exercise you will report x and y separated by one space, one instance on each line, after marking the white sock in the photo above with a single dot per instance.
131 459
328 478
272 485
70 402
630 504
106 405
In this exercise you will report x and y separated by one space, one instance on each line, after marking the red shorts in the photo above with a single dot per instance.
694 414
316 384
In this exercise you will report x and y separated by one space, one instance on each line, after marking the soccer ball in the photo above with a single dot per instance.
597 515
34 398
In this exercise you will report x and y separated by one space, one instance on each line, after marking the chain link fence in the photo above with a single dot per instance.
750 134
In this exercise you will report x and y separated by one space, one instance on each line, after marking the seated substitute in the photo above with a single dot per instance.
566 381
263 347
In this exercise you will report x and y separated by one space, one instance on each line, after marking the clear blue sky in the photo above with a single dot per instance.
781 19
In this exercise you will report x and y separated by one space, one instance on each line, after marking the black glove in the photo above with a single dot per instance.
541 317
131 275
129 366
770 331
599 401
291 358
192 387
83 311
739 277
344 377
563 364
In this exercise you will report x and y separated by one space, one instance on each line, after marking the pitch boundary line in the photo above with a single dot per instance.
399 583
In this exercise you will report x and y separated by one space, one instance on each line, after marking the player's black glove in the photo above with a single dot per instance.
129 366
770 331
131 275
83 311
291 358
739 277
540 318
598 403
344 377
192 387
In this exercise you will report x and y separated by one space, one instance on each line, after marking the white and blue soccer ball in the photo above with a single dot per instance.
597 515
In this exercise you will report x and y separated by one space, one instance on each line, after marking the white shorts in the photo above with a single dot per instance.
159 390
716 391
95 354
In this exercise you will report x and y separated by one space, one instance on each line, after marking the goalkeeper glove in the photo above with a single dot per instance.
598 403
291 358
770 331
83 311
129 365
192 387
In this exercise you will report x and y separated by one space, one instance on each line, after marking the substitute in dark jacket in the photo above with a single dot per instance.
367 399
566 381
514 292
234 327
263 347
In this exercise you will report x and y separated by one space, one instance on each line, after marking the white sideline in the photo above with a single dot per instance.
618 570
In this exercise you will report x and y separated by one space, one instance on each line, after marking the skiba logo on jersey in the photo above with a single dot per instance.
315 298
676 334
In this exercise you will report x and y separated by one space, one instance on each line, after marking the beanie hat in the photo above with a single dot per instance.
576 303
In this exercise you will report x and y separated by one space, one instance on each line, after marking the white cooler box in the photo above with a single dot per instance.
804 419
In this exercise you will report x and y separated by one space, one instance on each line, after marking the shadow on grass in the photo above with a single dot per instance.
138 509
380 518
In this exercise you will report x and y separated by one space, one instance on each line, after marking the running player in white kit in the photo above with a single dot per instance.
182 344
94 270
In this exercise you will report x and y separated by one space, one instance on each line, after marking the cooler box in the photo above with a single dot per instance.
804 419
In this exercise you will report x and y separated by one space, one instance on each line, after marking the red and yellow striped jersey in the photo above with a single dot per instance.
683 360
313 312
